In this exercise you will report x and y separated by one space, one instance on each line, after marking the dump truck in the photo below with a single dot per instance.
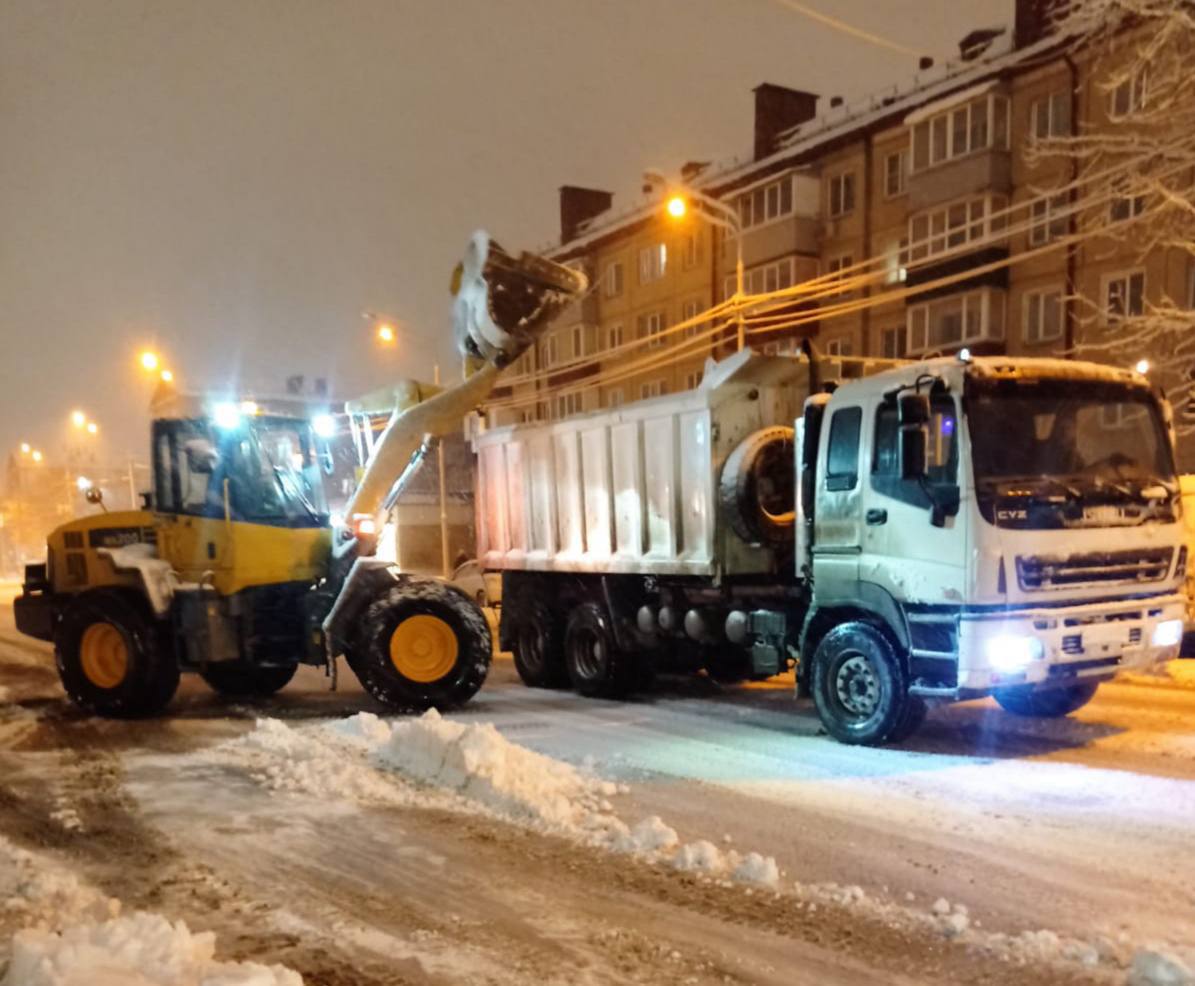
234 569
935 531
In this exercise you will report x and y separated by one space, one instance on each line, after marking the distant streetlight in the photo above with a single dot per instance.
83 483
386 333
78 419
149 361
92 428
1142 366
26 448
677 207
167 376
37 456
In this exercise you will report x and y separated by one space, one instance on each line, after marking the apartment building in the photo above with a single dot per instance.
914 176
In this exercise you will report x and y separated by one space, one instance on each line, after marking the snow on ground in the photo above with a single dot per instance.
71 934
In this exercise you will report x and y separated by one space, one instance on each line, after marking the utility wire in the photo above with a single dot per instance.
849 29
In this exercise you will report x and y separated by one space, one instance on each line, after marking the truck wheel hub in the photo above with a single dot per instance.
104 655
423 648
857 687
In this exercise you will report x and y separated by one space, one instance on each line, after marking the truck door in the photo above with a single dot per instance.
904 551
837 521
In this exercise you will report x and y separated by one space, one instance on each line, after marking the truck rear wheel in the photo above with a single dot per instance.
859 686
424 644
113 659
1050 703
539 645
238 679
595 666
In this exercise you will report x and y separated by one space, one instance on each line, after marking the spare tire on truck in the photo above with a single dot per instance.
758 487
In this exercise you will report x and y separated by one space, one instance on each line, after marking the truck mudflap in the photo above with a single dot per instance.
1059 646
35 609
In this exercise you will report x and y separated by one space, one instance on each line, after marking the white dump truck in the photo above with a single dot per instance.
937 531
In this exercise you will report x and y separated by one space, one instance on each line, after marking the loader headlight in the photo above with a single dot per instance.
226 415
1009 652
324 425
1168 633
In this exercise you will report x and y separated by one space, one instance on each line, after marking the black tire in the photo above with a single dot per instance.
538 645
859 686
240 680
596 667
1050 703
114 658
757 488
914 717
459 640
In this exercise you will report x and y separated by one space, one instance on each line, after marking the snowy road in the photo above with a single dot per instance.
1082 828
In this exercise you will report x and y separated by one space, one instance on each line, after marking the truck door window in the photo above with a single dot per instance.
842 458
941 457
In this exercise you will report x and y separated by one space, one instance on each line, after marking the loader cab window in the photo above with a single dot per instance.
183 463
842 457
941 457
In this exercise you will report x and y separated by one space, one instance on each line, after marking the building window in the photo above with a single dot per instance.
895 167
1042 320
1050 219
1050 116
689 311
612 282
567 404
548 352
943 323
614 336
951 226
976 126
1124 206
690 251
578 340
839 267
653 262
1124 296
839 347
614 397
892 342
775 276
766 203
650 326
693 380
653 388
842 194
1128 96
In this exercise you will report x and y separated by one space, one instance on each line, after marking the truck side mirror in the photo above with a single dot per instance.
913 409
914 447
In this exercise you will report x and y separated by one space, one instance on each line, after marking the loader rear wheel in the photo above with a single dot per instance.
859 685
113 657
423 644
596 667
539 646
240 680
1050 703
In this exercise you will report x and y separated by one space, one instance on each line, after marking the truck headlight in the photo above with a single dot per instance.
1168 633
1011 652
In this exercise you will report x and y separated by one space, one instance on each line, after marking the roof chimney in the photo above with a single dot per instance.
578 205
977 42
778 109
691 169
1037 18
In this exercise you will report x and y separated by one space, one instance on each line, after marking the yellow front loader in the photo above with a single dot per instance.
234 569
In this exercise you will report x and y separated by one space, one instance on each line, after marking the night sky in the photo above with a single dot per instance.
233 181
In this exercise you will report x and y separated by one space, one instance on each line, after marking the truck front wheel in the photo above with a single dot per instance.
113 658
1050 703
423 644
859 686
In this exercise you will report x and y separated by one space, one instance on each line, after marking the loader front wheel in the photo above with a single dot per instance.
240 680
424 644
113 658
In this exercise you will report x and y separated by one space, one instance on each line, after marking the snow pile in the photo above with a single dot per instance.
1153 967
138 950
43 896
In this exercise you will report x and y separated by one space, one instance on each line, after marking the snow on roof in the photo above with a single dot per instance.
954 99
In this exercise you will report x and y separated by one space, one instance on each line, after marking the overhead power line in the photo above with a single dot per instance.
849 29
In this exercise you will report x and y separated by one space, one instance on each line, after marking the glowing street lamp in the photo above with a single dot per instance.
1142 366
92 428
37 456
167 376
677 207
386 334
78 419
149 361
26 448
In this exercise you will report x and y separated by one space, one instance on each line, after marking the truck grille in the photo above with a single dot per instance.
1037 572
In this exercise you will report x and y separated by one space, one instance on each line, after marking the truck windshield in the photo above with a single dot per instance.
1058 441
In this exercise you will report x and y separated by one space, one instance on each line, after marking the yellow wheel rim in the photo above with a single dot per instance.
423 648
104 655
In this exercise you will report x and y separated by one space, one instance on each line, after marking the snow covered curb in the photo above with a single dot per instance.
436 762
71 934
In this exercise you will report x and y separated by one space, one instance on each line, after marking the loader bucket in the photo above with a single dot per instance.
504 302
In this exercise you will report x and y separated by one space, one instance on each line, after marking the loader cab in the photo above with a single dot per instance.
239 497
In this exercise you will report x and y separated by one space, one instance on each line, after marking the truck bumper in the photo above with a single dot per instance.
1061 645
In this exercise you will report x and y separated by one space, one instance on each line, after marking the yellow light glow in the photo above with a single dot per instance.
386 333
92 427
149 361
78 419
26 448
37 456
167 376
1142 366
677 207
248 408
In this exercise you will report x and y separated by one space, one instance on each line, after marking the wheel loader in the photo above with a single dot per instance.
234 570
